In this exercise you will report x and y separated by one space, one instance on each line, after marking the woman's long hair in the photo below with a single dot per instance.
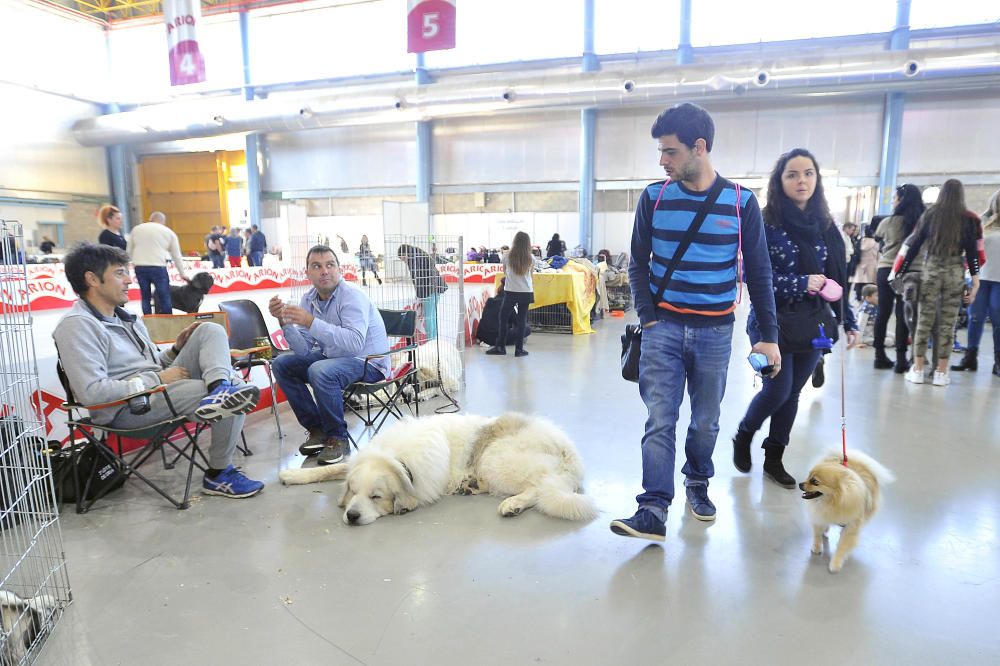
945 218
776 193
992 215
519 258
910 206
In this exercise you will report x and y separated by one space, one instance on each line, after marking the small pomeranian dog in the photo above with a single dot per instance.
843 495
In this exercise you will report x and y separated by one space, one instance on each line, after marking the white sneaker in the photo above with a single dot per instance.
941 379
915 376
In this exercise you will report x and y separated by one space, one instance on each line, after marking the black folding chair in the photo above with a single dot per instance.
246 329
159 437
384 397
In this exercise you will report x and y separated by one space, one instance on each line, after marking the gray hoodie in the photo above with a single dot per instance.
107 358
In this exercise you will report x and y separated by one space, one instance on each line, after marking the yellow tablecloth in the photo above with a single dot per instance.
573 285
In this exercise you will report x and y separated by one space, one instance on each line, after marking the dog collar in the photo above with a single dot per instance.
407 469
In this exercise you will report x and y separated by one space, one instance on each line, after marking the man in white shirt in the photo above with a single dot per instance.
149 245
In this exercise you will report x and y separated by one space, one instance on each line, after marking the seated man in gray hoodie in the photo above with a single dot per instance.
107 355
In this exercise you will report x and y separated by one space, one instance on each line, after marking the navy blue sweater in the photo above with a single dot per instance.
705 278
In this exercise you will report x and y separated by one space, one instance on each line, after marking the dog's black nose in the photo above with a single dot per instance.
802 486
352 517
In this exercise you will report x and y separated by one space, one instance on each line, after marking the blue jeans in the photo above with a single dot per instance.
218 261
779 399
150 277
987 304
673 354
328 378
257 258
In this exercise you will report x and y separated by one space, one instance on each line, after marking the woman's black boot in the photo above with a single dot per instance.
773 469
741 450
882 362
969 362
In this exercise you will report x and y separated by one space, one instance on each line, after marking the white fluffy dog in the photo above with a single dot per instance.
523 458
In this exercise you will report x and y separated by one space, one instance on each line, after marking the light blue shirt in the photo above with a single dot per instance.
346 325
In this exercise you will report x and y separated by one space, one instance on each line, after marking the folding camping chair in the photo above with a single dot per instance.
246 329
384 396
159 436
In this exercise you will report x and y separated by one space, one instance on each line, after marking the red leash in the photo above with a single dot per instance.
843 401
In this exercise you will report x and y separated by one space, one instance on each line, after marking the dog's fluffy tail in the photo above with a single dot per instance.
883 475
294 477
560 503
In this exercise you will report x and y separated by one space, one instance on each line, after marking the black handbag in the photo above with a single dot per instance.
799 322
632 340
97 473
631 347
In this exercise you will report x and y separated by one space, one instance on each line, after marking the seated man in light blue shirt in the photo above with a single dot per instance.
331 331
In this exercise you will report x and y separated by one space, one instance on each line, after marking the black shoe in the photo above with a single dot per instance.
773 469
379 281
520 352
969 362
313 445
819 378
996 363
882 362
496 351
741 450
902 365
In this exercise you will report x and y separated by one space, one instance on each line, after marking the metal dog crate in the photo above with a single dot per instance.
619 298
34 588
551 319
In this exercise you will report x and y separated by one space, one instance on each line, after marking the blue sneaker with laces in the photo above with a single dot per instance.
227 400
231 483
698 503
643 525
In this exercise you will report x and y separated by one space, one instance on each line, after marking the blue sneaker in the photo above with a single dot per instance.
698 503
231 483
643 525
227 400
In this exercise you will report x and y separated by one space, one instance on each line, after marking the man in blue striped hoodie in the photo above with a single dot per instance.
687 334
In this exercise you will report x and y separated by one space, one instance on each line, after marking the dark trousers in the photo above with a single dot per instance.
889 302
779 398
510 299
154 278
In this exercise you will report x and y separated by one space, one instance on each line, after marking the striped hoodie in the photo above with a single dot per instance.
705 279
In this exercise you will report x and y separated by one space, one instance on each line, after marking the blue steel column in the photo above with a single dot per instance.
684 52
892 122
588 130
425 164
119 177
252 148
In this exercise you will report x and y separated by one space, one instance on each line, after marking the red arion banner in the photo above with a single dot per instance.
186 62
430 25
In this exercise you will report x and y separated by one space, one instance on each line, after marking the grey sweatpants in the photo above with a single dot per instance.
206 358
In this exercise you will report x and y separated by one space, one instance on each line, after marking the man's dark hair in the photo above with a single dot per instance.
321 249
87 257
689 122
253 227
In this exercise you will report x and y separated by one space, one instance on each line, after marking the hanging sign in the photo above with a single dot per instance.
186 62
430 25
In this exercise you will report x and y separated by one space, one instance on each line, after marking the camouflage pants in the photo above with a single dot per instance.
942 284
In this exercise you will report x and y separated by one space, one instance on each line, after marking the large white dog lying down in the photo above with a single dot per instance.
523 458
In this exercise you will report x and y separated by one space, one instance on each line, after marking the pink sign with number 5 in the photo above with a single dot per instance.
430 25
186 62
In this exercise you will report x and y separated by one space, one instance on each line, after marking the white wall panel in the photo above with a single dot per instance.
507 148
341 158
845 136
497 229
951 135
37 151
52 51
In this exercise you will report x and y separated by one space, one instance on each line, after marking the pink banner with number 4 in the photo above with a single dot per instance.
186 62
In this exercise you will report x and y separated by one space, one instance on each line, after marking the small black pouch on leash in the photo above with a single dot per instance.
798 324
631 347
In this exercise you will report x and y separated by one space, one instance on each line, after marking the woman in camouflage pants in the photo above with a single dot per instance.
945 233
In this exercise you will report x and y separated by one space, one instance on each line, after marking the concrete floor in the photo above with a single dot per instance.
279 579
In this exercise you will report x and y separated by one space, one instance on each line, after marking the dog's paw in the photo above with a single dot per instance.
511 507
817 549
835 566
469 486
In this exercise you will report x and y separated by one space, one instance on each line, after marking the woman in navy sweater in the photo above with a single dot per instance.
806 249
